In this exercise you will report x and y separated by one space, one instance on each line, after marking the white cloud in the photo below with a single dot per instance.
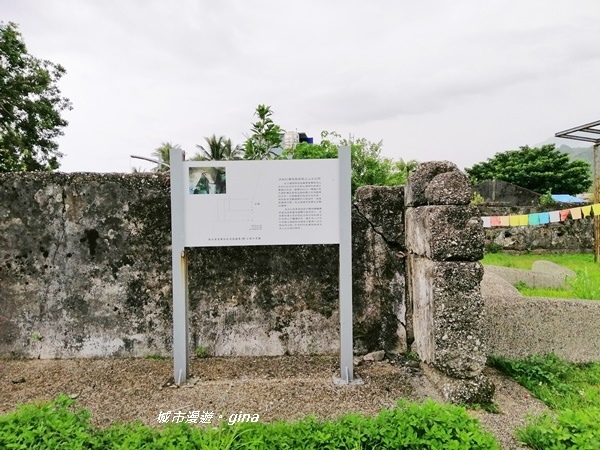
475 77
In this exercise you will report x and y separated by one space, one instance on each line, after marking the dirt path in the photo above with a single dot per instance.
273 387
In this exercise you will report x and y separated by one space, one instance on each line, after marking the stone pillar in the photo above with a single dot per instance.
445 239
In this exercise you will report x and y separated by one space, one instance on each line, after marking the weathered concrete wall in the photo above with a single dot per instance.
570 236
444 237
85 270
501 192
532 278
517 326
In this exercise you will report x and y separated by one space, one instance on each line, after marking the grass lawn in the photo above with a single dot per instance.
586 286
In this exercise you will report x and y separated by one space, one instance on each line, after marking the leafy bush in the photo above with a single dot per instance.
49 425
410 426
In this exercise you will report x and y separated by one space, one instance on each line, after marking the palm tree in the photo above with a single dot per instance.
219 149
163 153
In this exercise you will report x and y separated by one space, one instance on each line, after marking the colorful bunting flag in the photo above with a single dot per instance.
523 219
534 219
541 218
586 210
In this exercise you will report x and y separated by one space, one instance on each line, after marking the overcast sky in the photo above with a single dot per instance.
457 80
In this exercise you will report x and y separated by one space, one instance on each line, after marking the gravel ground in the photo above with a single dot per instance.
275 388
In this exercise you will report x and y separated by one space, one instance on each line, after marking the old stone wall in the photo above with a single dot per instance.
85 270
570 236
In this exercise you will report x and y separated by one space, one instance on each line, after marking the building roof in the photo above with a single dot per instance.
565 198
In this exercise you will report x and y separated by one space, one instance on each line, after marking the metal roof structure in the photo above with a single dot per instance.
592 129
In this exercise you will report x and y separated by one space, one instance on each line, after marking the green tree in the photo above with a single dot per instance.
368 166
30 106
163 153
538 169
219 149
265 135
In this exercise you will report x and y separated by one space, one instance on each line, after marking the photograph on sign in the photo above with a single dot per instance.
207 180
261 203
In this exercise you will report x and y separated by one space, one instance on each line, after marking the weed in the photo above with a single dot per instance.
413 356
585 286
477 198
572 390
156 357
37 337
202 352
493 248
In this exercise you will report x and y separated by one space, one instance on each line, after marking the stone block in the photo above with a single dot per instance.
383 208
477 390
450 189
445 233
447 315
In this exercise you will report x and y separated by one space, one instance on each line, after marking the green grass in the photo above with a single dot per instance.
571 390
585 286
429 425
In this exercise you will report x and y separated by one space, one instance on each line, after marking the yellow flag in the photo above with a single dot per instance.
596 209
524 219
586 210
513 221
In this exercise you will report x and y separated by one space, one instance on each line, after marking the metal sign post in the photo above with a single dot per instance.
260 203
346 340
180 275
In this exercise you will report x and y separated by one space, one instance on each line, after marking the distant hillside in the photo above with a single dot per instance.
584 153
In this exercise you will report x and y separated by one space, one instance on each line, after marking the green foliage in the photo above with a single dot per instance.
202 352
537 169
545 376
265 135
30 106
573 390
50 425
477 199
546 200
566 430
585 285
493 248
409 426
369 168
163 153
219 149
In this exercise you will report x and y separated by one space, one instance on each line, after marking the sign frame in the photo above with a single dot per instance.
180 266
